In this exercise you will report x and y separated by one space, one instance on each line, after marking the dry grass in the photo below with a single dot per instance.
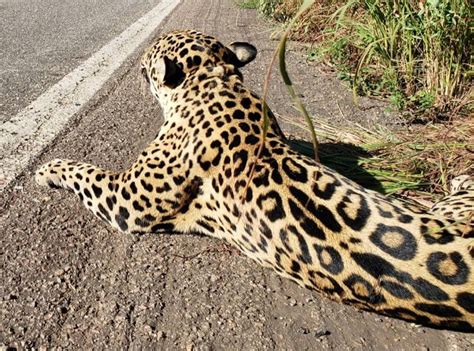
312 25
416 163
438 151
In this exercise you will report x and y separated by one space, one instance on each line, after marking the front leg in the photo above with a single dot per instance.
141 199
93 185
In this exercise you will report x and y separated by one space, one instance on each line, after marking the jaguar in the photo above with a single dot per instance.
206 172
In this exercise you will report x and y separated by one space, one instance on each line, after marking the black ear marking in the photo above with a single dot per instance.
174 75
145 74
243 53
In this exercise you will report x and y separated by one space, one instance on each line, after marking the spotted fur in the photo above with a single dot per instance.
297 216
458 205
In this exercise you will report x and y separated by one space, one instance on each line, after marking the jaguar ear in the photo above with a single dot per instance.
169 72
243 52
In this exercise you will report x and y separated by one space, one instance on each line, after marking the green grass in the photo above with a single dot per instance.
248 4
417 54
424 46
415 163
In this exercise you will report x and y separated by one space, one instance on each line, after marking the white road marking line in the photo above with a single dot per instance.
26 134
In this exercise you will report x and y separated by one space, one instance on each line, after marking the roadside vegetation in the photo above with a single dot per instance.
417 55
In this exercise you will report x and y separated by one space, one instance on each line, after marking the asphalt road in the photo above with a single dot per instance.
43 40
68 281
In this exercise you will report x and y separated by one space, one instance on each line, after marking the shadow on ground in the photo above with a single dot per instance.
344 158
